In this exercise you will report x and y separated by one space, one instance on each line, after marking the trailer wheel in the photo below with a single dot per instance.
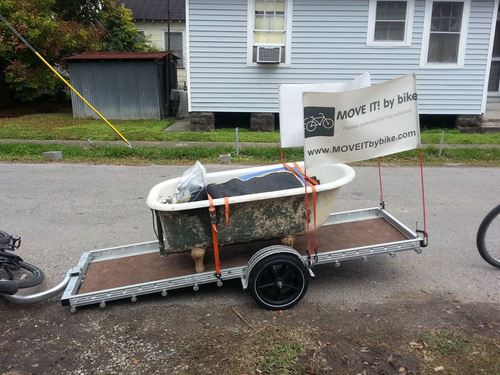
278 281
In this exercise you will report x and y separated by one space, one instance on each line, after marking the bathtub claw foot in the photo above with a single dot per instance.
288 241
198 254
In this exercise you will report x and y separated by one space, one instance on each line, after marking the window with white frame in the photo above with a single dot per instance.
390 22
445 33
268 23
269 26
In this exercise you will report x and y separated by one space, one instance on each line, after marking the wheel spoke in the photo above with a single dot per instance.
274 273
287 273
291 286
267 285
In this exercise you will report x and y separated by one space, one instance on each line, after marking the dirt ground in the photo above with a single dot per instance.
412 334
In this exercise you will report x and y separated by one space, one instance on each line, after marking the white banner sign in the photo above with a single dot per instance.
361 124
291 109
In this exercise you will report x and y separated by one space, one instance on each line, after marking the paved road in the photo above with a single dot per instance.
61 210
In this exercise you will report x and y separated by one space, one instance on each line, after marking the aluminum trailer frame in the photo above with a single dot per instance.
415 240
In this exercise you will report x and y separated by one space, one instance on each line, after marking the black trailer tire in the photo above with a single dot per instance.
278 281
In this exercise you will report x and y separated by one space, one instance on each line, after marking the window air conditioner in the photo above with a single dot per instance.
268 55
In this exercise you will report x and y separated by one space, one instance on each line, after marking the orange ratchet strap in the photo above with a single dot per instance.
289 169
313 183
297 172
308 230
311 180
226 207
300 173
215 238
314 194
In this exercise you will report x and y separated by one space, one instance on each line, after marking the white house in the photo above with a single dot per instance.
151 18
239 51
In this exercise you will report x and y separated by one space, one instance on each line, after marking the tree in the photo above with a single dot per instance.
83 11
58 29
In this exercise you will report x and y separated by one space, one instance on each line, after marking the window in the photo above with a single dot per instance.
176 46
445 33
269 26
141 32
390 22
444 37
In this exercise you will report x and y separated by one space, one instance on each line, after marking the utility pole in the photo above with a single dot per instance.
169 106
168 25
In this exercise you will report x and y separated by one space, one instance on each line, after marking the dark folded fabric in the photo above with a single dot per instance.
198 195
270 182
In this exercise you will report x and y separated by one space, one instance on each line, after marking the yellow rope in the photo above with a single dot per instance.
83 99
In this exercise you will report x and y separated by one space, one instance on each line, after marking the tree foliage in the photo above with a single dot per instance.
58 29
120 33
82 11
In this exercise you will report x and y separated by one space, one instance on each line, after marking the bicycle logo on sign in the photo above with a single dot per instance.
313 122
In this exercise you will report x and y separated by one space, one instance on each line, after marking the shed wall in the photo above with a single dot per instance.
120 90
328 44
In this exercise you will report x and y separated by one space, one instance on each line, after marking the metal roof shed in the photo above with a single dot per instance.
122 85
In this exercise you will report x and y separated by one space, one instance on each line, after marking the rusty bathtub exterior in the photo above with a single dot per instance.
252 217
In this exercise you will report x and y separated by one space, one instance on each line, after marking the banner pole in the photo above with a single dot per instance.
422 187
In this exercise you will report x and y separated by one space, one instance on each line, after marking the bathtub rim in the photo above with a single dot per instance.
153 203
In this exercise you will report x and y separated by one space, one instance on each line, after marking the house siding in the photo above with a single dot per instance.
328 44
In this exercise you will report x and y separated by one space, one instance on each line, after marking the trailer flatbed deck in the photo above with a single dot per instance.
134 270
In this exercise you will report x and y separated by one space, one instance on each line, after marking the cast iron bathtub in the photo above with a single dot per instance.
253 217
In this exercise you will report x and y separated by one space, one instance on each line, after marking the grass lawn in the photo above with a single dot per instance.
248 155
454 136
62 126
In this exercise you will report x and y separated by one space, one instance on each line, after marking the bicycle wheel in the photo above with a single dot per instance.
488 237
328 123
311 126
8 287
23 274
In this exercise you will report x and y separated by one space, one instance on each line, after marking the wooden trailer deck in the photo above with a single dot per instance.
150 267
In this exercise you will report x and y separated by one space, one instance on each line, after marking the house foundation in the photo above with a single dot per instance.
263 122
468 123
202 121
